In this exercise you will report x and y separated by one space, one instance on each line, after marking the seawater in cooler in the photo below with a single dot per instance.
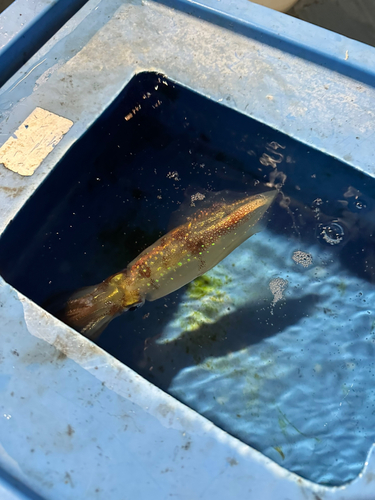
276 343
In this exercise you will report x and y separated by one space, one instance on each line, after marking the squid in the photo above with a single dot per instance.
189 250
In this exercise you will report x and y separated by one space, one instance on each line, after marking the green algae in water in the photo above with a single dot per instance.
206 285
284 422
342 287
280 451
207 292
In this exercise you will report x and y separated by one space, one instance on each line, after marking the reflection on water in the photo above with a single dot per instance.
292 374
276 344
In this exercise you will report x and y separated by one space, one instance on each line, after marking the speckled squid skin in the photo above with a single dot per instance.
174 260
192 249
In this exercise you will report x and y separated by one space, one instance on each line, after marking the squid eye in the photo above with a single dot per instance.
136 306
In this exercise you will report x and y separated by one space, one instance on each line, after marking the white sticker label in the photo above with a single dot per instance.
33 141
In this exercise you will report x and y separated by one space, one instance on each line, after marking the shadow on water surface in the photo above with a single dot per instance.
241 329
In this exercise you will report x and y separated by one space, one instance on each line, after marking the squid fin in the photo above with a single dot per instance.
89 310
